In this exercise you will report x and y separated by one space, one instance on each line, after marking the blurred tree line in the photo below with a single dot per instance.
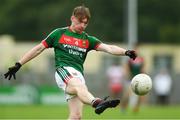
158 20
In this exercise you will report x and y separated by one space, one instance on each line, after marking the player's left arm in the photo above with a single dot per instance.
111 49
115 50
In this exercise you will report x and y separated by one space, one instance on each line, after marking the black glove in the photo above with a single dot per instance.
131 53
12 71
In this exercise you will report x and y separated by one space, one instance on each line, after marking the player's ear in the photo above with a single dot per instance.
72 18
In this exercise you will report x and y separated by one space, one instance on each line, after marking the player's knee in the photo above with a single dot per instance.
81 87
75 86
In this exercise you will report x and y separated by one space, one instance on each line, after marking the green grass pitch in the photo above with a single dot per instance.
61 112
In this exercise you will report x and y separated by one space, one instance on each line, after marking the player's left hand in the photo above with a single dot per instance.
131 53
12 71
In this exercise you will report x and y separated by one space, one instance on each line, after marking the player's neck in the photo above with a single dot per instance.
72 29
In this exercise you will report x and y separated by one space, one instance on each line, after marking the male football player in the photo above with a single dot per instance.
71 45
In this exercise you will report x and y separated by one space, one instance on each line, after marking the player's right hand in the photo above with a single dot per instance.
12 71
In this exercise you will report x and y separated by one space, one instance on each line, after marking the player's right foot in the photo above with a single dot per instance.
106 104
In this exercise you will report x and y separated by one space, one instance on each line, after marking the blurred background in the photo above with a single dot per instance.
152 24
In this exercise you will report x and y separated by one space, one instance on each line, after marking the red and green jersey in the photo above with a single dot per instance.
136 66
70 48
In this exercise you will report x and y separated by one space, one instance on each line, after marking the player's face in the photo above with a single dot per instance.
79 25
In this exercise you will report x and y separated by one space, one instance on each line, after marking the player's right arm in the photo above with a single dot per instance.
35 51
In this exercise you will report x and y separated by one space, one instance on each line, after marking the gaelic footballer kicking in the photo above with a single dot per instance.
71 45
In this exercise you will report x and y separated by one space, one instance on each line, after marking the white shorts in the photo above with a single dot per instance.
63 74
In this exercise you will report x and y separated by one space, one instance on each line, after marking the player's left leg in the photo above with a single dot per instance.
77 88
139 101
73 83
75 108
104 104
115 90
126 97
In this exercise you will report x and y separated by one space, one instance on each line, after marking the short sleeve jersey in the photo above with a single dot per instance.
136 66
70 48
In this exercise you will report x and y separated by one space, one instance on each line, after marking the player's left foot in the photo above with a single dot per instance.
136 109
106 104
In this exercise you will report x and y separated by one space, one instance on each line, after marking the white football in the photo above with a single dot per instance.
141 84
